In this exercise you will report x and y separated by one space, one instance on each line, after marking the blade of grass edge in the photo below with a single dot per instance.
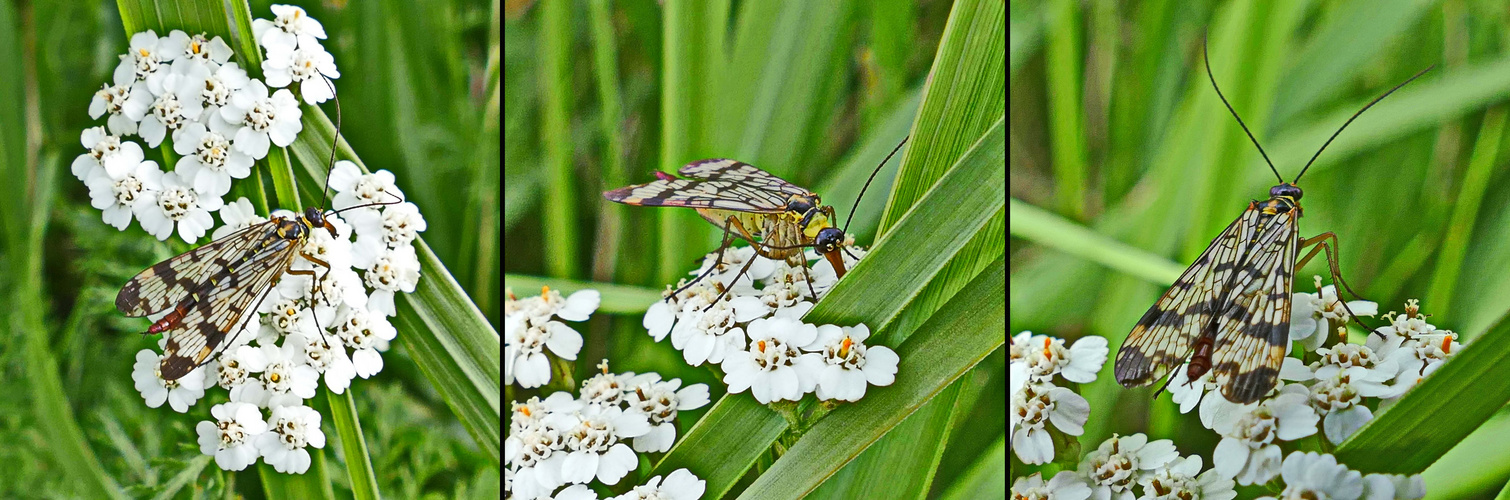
1439 412
969 327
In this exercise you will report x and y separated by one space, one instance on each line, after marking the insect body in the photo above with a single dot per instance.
778 218
1229 312
211 289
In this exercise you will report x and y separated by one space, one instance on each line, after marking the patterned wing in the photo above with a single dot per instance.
1254 327
219 306
1164 336
165 284
718 184
738 172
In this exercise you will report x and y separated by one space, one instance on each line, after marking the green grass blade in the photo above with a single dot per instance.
1437 413
953 341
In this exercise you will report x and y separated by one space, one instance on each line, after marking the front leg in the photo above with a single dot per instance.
1318 244
315 280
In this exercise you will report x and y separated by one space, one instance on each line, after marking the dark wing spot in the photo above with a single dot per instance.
1249 386
1132 367
128 297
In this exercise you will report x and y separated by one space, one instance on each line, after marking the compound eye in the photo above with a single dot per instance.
314 216
829 240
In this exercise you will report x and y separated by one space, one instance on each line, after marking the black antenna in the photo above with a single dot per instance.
1355 115
867 182
331 162
334 141
1207 57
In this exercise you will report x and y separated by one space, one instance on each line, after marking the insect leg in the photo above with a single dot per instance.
726 289
315 290
717 261
1169 379
1319 244
808 273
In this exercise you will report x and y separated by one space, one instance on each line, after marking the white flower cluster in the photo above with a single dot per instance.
570 442
755 334
332 323
757 337
1333 391
301 331
1313 475
1156 469
221 120
1123 463
294 54
1333 396
1035 401
529 328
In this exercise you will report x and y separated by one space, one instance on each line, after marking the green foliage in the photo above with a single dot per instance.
1116 130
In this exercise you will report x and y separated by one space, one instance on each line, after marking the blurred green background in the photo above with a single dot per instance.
1124 165
419 93
603 93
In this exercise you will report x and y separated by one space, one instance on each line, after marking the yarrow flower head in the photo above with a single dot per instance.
220 86
178 103
177 204
318 316
1047 356
1188 393
1313 315
561 442
356 189
291 431
230 437
209 162
1064 486
661 401
107 155
1035 406
1312 475
291 27
680 484
1394 486
253 119
1123 461
179 394
1418 347
236 216
1183 479
530 329
1249 450
308 65
147 56
119 197
126 101
849 366
198 49
774 368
